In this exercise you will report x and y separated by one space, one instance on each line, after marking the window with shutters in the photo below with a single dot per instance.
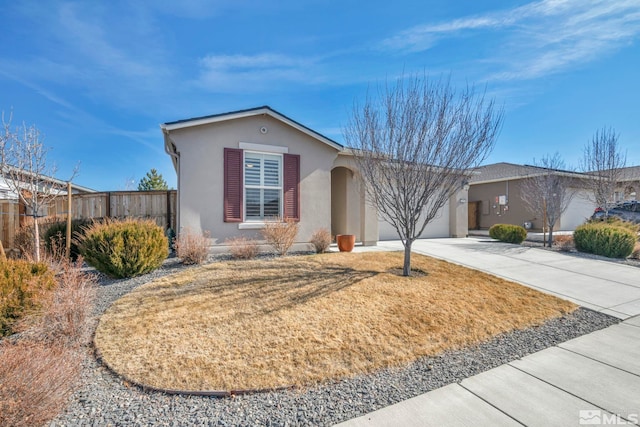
262 186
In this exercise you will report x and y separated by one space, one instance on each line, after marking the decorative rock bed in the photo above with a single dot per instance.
104 399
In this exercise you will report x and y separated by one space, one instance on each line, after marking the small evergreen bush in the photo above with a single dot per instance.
617 222
23 287
508 233
607 239
56 236
124 248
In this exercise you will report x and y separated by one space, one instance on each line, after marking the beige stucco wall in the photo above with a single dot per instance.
492 213
346 203
339 177
351 212
201 169
459 214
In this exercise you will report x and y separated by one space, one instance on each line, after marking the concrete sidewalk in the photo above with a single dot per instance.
603 286
590 380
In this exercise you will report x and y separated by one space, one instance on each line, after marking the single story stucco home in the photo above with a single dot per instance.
495 197
238 169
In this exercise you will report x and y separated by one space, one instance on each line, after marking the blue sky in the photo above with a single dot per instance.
97 78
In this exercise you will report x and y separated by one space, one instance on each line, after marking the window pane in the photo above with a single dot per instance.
251 170
252 203
260 171
272 172
271 203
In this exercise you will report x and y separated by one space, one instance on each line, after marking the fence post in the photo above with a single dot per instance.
168 210
68 242
107 209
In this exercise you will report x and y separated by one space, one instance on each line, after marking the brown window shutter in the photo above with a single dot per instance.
291 186
233 185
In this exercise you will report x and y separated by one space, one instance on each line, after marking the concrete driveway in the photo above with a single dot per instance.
590 380
603 286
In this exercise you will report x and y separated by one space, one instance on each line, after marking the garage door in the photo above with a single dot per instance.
577 212
438 227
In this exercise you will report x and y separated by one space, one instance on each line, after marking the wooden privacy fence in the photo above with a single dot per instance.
9 223
159 206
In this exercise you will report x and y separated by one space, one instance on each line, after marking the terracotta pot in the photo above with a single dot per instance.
346 242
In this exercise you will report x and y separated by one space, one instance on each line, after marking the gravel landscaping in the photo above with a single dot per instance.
103 399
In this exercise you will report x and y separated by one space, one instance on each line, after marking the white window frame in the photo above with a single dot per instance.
259 222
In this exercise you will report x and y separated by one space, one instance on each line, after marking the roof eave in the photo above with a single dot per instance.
531 175
172 126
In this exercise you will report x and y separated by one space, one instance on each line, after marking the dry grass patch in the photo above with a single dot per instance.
301 320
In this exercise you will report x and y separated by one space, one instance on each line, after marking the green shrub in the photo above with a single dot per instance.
55 237
508 233
607 239
23 286
124 248
617 222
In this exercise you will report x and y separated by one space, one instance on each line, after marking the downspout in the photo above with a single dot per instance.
170 149
503 209
507 193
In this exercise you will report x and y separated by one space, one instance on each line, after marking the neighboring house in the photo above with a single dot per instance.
495 198
9 201
14 214
629 184
6 193
236 170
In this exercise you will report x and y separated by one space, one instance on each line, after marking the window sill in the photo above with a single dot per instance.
251 225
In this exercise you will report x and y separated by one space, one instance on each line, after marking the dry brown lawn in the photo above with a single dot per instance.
301 320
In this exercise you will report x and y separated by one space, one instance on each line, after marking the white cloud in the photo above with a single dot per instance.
107 54
90 40
150 138
538 38
247 73
197 9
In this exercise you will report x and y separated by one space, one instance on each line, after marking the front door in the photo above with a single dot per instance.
474 215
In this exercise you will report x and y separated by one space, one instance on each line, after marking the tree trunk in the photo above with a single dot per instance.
406 268
550 237
36 238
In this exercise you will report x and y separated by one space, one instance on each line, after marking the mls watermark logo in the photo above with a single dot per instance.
591 417
600 418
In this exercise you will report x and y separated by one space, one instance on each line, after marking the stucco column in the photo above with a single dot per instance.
368 220
459 214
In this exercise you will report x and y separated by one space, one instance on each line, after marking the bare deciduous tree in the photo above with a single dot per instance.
603 160
414 146
24 168
549 192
